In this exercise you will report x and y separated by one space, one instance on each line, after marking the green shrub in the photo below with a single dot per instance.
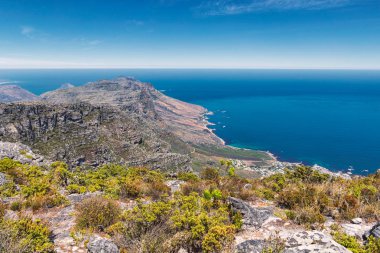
7 164
218 238
349 242
191 222
373 245
74 188
97 213
187 176
16 206
2 210
25 235
231 172
61 174
210 174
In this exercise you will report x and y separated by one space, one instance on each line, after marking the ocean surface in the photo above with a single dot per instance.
325 117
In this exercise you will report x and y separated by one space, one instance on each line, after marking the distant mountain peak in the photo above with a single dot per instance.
66 86
13 93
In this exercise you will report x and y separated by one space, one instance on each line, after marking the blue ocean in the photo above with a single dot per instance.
325 117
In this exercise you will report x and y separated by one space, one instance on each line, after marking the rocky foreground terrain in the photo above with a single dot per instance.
115 209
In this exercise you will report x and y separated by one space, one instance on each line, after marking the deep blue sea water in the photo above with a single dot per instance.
327 117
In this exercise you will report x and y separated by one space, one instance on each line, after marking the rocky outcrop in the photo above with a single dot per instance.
101 245
313 241
13 93
84 134
20 152
252 216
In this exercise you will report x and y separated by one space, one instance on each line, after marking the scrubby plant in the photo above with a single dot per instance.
191 222
25 235
97 213
210 174
188 176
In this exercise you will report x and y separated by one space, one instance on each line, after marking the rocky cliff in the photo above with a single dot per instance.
121 121
81 133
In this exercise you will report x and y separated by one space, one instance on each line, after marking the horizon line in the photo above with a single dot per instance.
184 68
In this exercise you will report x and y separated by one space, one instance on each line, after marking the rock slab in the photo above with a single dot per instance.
252 217
101 245
313 241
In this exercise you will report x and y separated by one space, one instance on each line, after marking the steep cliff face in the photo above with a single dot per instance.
81 133
183 119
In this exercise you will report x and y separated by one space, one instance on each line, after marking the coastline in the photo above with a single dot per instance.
276 164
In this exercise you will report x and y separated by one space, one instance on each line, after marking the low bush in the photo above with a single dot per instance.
190 222
25 235
97 213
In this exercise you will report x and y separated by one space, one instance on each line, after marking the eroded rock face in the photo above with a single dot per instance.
313 241
83 134
252 217
101 245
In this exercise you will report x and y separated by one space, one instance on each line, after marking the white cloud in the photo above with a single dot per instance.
27 31
9 63
231 7
135 22
94 42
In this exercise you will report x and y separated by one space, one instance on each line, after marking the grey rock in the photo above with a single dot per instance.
77 198
357 230
247 187
175 185
3 179
21 153
357 221
374 231
101 245
313 241
251 246
252 216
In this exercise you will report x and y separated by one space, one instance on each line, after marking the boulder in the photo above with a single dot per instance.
357 221
3 179
252 216
357 230
247 187
313 241
374 231
175 185
251 246
101 245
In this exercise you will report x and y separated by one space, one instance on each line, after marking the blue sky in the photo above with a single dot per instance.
190 34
